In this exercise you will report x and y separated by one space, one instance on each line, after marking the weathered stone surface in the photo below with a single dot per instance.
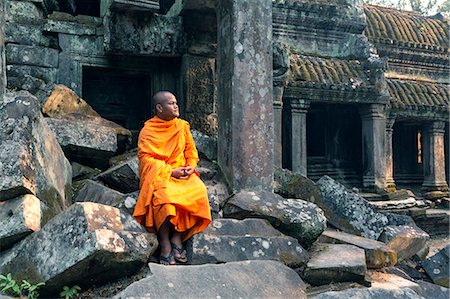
149 34
19 217
2 50
64 100
73 28
294 217
31 55
129 202
116 160
230 240
335 263
249 279
398 219
429 290
26 34
87 144
31 159
383 286
378 255
217 194
437 267
95 192
349 212
88 243
199 76
82 172
244 87
22 11
394 204
123 177
405 240
205 144
44 73
208 170
293 185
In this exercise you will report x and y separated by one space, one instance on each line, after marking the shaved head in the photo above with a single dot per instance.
166 106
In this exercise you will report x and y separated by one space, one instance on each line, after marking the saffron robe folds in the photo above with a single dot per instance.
163 146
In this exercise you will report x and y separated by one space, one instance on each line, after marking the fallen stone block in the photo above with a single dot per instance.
205 145
249 279
217 194
294 217
395 204
405 240
230 240
83 172
294 185
31 160
128 202
31 55
123 177
335 263
349 212
437 267
19 217
64 100
378 255
93 191
429 290
84 143
87 244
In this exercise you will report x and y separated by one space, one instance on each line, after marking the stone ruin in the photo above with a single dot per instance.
334 106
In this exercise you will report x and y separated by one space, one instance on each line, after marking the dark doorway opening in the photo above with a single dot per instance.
407 153
80 7
334 143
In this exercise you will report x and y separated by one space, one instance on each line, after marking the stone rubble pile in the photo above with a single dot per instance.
66 223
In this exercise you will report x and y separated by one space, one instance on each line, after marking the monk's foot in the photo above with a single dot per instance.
167 260
180 253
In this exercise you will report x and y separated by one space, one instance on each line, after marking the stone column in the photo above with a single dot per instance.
373 119
299 108
2 49
390 183
244 59
278 125
434 158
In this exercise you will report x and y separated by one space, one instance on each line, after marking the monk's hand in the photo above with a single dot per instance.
179 172
189 170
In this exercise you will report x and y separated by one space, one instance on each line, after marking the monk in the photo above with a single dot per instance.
172 201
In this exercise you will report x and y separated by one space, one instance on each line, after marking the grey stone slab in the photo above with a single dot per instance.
139 5
378 255
85 143
68 28
44 73
19 217
217 194
405 240
395 204
32 55
437 267
229 240
349 212
429 290
335 263
294 217
31 159
129 201
23 11
26 34
82 172
205 144
2 50
123 177
87 244
249 279
293 185
93 191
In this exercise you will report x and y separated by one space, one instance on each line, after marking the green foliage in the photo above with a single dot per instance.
69 293
9 286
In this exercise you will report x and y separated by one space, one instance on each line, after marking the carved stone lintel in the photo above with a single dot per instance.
141 5
373 111
299 105
437 127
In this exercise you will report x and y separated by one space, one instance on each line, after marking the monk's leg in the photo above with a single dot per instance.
164 242
179 250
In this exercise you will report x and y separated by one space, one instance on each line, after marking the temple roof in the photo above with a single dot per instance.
406 29
328 73
414 95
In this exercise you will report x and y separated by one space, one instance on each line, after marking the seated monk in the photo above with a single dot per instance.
172 201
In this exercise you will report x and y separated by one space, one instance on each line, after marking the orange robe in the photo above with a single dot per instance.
163 146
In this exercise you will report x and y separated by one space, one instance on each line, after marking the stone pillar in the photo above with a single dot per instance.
373 119
434 158
2 50
278 125
244 59
299 108
390 183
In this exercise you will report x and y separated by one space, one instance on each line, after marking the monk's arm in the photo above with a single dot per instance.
190 152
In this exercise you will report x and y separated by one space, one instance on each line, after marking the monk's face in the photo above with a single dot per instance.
168 107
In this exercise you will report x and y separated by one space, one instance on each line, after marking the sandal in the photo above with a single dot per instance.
167 260
181 251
